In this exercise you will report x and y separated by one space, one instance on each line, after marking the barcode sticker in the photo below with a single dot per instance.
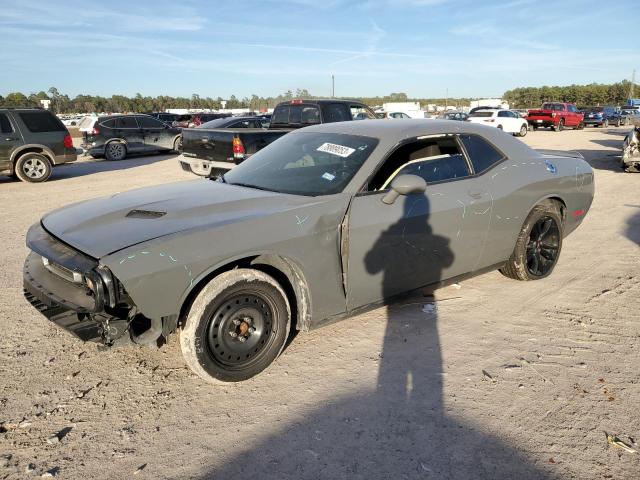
334 149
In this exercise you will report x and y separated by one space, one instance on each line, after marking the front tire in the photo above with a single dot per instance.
236 327
33 168
538 245
560 126
115 151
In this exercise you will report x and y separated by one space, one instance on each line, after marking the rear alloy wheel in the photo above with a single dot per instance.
33 168
538 246
237 325
177 144
560 126
115 151
523 131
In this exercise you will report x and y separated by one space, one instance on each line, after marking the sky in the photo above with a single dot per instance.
424 48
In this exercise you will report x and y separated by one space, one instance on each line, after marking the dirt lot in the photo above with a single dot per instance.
506 380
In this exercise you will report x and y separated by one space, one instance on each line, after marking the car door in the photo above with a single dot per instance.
507 122
156 135
9 140
127 128
421 238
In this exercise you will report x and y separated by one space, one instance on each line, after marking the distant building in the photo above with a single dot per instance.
489 102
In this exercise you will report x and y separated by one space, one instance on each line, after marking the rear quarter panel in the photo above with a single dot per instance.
517 185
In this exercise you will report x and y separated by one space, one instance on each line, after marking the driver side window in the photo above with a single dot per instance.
434 159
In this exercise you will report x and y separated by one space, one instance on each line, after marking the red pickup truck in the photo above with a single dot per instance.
557 116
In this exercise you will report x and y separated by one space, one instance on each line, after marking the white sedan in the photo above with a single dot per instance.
505 120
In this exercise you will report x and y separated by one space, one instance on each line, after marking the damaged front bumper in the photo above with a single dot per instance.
73 290
631 152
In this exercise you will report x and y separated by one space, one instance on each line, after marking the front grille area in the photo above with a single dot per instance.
64 272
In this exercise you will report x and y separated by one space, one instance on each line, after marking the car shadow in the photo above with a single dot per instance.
98 165
399 428
633 225
604 159
89 166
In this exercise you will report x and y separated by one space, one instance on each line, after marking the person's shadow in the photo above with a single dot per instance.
399 430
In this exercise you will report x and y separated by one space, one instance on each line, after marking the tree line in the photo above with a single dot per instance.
62 103
524 97
594 94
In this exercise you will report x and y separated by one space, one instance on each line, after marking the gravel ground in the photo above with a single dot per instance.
504 380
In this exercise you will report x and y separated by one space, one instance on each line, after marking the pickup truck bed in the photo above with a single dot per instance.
209 152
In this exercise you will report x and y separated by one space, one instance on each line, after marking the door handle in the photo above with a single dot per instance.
10 139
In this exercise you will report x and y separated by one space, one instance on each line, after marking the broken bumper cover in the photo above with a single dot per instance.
204 168
66 286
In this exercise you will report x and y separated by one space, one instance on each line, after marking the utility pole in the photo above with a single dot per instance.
333 86
633 84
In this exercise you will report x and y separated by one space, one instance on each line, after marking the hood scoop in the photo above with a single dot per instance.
145 214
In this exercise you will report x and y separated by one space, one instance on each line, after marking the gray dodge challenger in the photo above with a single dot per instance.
324 223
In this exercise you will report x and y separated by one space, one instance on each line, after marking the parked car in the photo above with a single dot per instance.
630 159
32 142
212 151
504 120
602 116
459 116
557 116
236 122
71 120
165 117
395 115
192 120
326 222
116 136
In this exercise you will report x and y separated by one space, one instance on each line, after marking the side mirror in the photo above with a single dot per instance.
404 185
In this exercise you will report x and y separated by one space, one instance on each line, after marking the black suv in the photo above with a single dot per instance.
32 141
116 136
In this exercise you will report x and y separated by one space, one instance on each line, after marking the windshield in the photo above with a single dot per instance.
304 164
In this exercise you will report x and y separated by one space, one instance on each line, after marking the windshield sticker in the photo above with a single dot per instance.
334 149
328 176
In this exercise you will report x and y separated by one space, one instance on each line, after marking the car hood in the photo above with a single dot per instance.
105 225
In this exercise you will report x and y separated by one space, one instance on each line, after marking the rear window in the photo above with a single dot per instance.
481 114
482 154
217 123
5 125
553 106
150 122
296 114
126 122
38 122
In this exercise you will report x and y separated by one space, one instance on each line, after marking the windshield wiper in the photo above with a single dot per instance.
248 185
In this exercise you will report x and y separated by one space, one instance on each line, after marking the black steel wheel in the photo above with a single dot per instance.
239 329
538 245
236 326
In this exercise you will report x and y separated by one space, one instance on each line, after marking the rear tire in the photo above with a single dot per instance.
581 126
114 151
177 144
523 131
33 168
236 327
538 245
618 123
